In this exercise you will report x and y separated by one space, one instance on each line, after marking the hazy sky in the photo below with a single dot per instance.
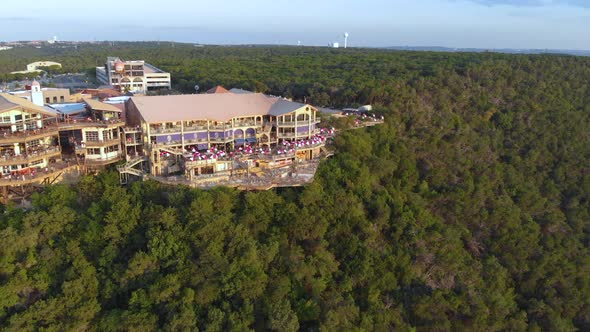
556 24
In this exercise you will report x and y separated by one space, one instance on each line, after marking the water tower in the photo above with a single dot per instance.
119 72
119 67
345 39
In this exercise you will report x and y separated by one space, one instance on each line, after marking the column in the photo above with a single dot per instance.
296 126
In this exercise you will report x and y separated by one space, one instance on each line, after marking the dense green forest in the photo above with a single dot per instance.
468 210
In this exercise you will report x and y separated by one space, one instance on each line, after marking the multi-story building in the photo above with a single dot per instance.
132 76
28 136
41 96
180 124
91 131
34 138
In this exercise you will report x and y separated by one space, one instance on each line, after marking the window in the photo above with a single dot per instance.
32 126
37 162
18 117
61 99
6 119
33 143
112 148
55 99
93 151
109 134
46 100
92 136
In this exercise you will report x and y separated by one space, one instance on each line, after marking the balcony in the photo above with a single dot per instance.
153 85
130 130
85 123
244 124
40 176
27 158
299 123
195 128
220 127
199 163
105 161
199 140
114 141
132 141
21 136
285 135
286 123
175 130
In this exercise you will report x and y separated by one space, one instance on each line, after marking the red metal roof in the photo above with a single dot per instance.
218 89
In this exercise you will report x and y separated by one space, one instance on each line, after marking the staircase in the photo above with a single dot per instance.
128 168
171 150
326 152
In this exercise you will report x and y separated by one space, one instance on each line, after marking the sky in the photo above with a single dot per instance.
518 24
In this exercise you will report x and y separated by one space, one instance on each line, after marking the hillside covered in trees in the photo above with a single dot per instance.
468 210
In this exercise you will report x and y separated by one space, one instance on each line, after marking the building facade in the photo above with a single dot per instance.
132 76
37 66
28 136
34 139
173 126
41 96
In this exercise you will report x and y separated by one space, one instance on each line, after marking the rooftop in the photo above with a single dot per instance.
9 102
239 91
216 107
98 106
218 89
147 68
69 108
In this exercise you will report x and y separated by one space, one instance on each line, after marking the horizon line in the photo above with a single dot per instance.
301 45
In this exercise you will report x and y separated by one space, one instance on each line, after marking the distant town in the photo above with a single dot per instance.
6 45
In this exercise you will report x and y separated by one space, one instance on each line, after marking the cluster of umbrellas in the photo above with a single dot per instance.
247 149
210 154
315 139
327 131
287 147
364 116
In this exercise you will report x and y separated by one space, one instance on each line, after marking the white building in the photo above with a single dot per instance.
132 75
36 66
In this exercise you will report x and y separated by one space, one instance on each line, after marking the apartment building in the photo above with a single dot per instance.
132 76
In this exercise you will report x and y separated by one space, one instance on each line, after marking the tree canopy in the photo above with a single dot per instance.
467 210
